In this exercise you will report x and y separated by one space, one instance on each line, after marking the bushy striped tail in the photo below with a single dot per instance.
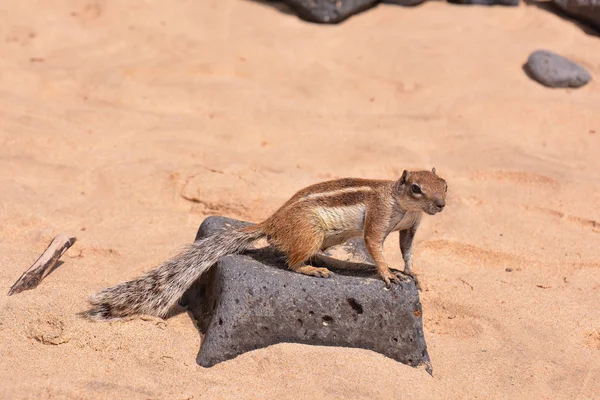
157 291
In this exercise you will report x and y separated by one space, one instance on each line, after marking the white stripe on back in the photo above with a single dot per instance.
336 192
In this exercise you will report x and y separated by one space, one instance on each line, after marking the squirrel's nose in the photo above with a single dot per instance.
439 203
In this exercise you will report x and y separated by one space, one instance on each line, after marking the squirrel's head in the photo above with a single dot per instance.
421 191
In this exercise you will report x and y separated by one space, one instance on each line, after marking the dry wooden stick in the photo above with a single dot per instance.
43 265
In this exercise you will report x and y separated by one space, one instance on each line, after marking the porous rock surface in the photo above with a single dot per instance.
556 71
251 301
404 3
587 11
336 11
328 11
486 2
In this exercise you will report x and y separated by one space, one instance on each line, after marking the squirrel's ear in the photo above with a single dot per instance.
403 178
433 170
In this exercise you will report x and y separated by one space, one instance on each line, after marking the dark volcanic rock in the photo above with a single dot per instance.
213 224
553 70
253 305
486 2
251 301
405 3
587 11
328 11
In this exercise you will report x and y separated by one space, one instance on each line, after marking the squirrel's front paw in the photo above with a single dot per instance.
389 277
407 277
415 280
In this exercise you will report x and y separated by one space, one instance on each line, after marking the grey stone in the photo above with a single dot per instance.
251 301
214 224
553 70
587 11
486 2
328 11
404 3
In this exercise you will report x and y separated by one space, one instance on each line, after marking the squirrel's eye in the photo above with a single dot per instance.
416 189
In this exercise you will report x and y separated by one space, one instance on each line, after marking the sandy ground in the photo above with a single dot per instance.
127 123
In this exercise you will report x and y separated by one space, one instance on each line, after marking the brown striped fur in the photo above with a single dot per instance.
315 218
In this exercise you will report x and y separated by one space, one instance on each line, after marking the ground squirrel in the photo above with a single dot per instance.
315 218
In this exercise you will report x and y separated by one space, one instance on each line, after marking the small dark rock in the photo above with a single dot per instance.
251 301
553 70
587 11
486 2
328 11
405 3
508 269
214 224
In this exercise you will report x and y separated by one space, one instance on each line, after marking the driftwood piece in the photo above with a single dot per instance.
44 265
